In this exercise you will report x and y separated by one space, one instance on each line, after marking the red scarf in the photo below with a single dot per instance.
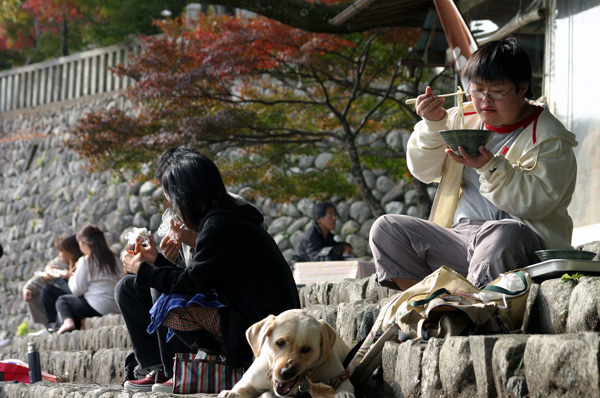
523 123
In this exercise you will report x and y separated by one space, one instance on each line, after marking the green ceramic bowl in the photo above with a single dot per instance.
470 140
559 254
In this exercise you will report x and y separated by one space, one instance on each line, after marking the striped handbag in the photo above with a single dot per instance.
209 375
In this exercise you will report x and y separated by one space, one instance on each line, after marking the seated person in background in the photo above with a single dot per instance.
250 282
42 291
93 284
318 243
493 211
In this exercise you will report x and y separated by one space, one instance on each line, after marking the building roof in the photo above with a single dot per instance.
366 13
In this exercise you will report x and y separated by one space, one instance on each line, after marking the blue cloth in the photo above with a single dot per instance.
167 302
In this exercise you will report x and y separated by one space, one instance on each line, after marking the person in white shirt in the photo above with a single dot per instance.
93 283
493 211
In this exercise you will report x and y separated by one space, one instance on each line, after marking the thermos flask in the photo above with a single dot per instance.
35 370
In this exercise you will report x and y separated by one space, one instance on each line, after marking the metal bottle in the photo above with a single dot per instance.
35 370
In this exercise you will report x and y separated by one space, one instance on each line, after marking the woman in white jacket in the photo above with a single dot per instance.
93 284
491 211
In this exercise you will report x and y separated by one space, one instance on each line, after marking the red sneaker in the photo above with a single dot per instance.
166 387
145 384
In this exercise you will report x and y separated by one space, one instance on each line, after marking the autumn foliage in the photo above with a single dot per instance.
255 94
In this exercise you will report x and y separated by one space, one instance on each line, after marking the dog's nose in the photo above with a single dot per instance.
288 372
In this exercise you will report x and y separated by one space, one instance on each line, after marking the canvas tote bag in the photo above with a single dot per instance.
443 304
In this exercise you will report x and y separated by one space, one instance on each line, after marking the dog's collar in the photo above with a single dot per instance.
304 384
339 379
334 383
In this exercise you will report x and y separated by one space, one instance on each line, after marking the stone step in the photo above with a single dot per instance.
64 390
345 291
101 367
490 366
92 339
540 362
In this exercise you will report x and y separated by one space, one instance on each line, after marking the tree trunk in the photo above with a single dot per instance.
357 172
65 37
423 201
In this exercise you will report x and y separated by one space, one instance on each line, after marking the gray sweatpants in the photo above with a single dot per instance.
411 248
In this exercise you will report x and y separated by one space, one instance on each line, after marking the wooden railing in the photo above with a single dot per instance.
74 76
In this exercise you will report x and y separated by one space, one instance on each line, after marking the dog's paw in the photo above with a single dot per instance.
228 394
344 394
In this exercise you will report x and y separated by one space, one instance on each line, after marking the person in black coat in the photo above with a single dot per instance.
234 256
318 243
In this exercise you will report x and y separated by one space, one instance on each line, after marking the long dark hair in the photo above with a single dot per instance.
192 184
497 60
69 245
101 257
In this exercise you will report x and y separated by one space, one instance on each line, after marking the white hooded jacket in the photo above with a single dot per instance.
534 181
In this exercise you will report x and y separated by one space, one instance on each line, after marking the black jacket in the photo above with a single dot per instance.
238 258
311 244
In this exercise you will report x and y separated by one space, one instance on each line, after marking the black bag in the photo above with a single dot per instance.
331 253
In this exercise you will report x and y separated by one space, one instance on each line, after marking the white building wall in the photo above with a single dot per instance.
572 89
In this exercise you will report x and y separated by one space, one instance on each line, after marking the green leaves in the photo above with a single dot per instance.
575 277
264 93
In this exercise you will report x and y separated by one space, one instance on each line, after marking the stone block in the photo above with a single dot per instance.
584 314
355 320
375 292
360 246
327 313
516 387
551 307
319 293
76 366
481 352
352 290
109 366
507 360
431 384
408 368
389 355
562 365
530 308
395 194
456 368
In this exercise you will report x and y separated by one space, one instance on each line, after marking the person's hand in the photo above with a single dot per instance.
429 107
170 248
64 273
52 272
27 295
184 234
47 276
131 262
468 160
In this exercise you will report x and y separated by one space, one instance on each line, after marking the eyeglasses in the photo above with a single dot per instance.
493 95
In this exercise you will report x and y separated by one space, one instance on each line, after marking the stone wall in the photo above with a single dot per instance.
45 191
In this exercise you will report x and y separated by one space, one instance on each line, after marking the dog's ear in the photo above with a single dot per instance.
257 333
328 336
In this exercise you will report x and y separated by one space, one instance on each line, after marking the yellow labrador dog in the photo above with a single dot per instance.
296 355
